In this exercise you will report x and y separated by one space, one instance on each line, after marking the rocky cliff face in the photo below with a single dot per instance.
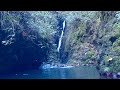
94 42
78 43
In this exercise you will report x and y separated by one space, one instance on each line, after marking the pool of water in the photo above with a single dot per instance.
83 72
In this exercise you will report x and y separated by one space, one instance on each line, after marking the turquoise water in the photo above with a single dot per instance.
83 72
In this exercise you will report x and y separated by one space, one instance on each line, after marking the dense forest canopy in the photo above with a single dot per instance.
29 38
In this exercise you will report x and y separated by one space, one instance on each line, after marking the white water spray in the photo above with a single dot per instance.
60 39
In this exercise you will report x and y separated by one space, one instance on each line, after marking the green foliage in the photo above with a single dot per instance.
52 55
9 21
101 29
117 42
75 35
116 50
90 55
45 22
115 66
116 29
112 66
81 29
106 57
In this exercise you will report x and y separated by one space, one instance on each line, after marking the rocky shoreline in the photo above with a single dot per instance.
59 65
110 75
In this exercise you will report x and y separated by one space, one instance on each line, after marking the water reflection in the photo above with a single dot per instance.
84 72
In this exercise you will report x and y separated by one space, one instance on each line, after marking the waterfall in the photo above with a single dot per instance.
60 39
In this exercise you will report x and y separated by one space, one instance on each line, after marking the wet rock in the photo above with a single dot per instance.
118 75
46 66
104 74
107 74
83 64
110 75
114 76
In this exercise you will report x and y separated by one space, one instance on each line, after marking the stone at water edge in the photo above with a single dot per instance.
103 74
45 66
118 75
110 75
114 76
67 67
55 66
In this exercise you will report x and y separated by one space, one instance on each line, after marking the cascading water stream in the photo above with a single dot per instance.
60 39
